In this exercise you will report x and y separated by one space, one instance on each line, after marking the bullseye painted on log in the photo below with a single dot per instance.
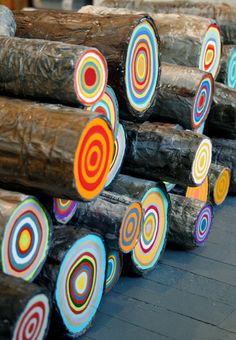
219 178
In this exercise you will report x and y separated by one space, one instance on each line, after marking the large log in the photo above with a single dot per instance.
191 222
227 73
7 22
155 203
113 270
25 232
65 73
130 44
75 276
155 151
24 309
185 40
39 153
221 121
219 179
224 14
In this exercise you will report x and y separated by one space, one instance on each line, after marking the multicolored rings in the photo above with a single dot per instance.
203 225
231 71
114 267
221 187
202 161
64 209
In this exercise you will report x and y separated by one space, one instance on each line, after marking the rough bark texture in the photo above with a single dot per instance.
226 53
7 22
221 121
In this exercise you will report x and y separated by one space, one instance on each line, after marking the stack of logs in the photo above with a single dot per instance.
92 195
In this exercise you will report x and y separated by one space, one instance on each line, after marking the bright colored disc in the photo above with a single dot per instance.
231 70
114 267
203 225
64 210
202 161
221 187
200 192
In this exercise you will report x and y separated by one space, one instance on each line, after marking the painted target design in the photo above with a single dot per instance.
211 51
142 66
154 234
90 78
231 70
80 283
118 156
109 107
203 225
221 187
64 209
93 158
202 161
26 240
114 267
200 192
131 227
33 322
203 101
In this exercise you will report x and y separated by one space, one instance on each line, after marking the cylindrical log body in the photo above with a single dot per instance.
191 222
24 309
227 73
75 276
51 150
158 152
46 69
130 44
185 40
25 232
221 121
7 22
113 270
219 180
155 202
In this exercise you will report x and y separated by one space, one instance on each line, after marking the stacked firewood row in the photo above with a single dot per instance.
103 156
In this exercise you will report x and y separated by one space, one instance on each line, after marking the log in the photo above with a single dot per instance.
221 121
74 274
24 309
158 152
224 153
224 14
201 192
40 154
25 232
7 22
64 211
219 178
120 39
191 222
59 72
113 270
185 40
227 73
155 203
118 217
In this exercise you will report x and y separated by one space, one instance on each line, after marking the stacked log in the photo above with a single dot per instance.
113 270
7 22
228 65
219 179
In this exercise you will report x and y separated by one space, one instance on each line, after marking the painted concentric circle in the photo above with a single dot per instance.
93 158
202 101
118 156
33 322
203 224
80 283
221 187
200 129
114 267
200 192
64 209
231 70
142 66
131 227
26 240
211 51
109 107
90 77
202 161
153 237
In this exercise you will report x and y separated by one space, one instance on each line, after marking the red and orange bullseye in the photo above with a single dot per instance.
90 77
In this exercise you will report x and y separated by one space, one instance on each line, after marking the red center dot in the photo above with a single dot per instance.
202 100
94 158
90 76
31 328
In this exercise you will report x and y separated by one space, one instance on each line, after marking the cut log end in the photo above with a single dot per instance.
221 187
113 270
203 225
231 70
202 161
64 210
200 192
7 22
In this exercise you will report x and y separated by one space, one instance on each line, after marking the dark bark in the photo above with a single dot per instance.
158 152
7 22
221 121
219 181
15 295
110 34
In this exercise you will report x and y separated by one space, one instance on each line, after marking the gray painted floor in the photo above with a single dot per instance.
191 295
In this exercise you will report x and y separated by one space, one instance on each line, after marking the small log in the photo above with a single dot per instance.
119 38
7 22
201 192
155 203
44 69
64 211
219 178
221 121
113 270
191 222
159 152
75 276
227 73
25 231
40 154
24 309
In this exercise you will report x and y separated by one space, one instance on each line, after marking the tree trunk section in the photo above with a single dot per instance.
219 179
7 22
